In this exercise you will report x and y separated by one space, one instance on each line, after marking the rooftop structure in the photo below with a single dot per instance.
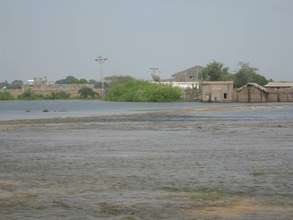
280 84
182 85
253 85
188 75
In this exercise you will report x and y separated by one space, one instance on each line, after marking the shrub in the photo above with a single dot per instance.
134 90
5 95
29 95
59 95
86 92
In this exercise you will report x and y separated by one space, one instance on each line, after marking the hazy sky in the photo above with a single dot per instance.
61 37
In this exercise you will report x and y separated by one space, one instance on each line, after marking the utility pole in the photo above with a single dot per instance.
101 60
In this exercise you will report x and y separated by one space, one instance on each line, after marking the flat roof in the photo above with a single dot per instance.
280 84
216 82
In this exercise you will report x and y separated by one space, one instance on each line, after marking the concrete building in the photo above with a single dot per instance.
182 85
188 75
216 91
251 92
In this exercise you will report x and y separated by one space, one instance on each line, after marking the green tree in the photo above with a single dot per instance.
247 74
86 92
215 71
59 95
4 84
68 80
16 84
83 81
5 95
111 80
29 95
133 90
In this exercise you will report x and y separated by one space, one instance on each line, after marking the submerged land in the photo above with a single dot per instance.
213 162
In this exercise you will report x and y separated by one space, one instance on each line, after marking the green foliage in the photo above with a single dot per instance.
16 84
58 95
86 92
132 90
4 84
215 71
29 95
248 74
83 81
5 95
71 80
111 80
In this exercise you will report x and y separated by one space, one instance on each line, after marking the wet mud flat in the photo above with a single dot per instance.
165 165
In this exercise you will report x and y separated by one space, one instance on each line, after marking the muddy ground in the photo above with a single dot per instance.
172 165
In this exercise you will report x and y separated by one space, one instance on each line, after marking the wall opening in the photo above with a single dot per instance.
225 95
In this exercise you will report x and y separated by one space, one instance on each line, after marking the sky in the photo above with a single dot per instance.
56 38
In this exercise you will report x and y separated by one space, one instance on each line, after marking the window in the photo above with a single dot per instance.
225 95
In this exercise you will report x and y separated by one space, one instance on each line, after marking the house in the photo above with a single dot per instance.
188 75
216 91
182 85
279 84
280 91
251 92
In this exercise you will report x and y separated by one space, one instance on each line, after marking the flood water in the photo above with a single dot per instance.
167 161
14 110
11 110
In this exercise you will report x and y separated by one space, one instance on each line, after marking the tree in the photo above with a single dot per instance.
215 71
86 92
28 94
59 95
5 95
247 74
4 84
134 90
68 80
111 80
83 81
16 84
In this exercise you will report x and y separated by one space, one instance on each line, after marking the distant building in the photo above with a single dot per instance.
216 91
280 91
182 85
279 84
189 75
251 92
272 92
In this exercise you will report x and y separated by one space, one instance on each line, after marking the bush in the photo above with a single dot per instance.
86 92
59 95
29 95
5 95
134 90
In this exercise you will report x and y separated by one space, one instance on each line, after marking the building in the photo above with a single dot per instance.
188 75
216 91
280 91
251 92
279 84
272 92
182 85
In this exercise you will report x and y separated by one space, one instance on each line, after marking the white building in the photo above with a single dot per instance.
182 85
